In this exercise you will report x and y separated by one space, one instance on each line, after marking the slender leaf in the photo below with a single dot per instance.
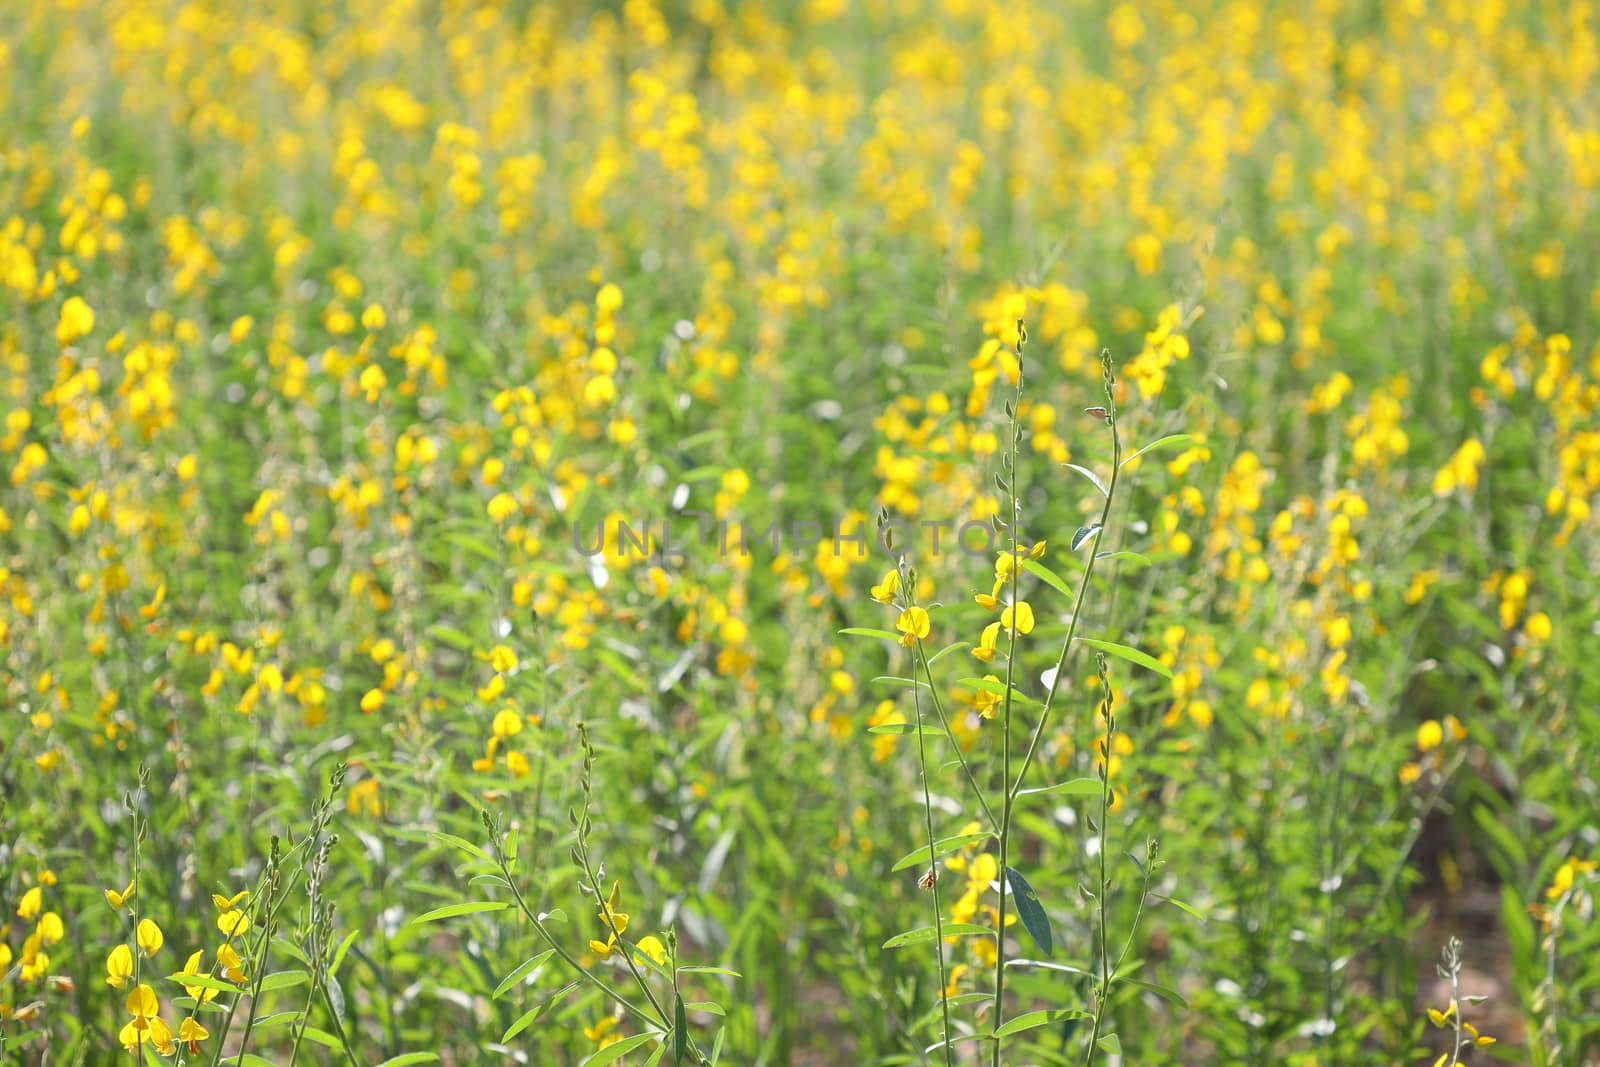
868 631
1048 576
1164 442
944 846
925 934
1076 787
525 968
1132 655
1034 1019
680 1030
1091 475
612 1053
1031 911
472 907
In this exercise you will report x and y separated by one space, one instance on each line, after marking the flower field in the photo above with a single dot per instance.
802 533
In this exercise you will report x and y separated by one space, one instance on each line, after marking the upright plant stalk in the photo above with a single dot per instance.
1108 379
933 869
1005 732
1013 787
1100 887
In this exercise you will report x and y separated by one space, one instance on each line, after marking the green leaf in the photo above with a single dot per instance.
1171 996
707 1006
1031 911
700 968
1034 1019
867 631
923 935
680 1030
1122 553
284 980
906 728
205 981
322 1037
612 1053
461 843
1164 442
1132 655
1076 787
405 1059
527 1018
450 911
1110 1044
954 646
1190 908
904 683
1049 577
1091 475
1083 534
525 968
944 846
1046 965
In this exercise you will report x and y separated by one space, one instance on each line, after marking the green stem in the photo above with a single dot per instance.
944 721
1077 607
1100 890
933 881
1005 741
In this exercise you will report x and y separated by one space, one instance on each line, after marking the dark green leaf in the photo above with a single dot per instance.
1031 911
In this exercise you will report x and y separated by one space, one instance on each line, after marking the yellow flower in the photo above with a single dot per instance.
371 700
600 1033
1022 613
1538 627
502 506
229 903
192 1033
233 923
1430 735
232 966
500 658
192 968
149 937
986 644
161 1036
884 592
31 904
134 1034
986 701
990 600
119 967
77 321
913 625
507 723
617 921
650 945
142 1002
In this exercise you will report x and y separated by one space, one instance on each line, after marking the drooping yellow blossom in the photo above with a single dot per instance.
119 967
913 625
